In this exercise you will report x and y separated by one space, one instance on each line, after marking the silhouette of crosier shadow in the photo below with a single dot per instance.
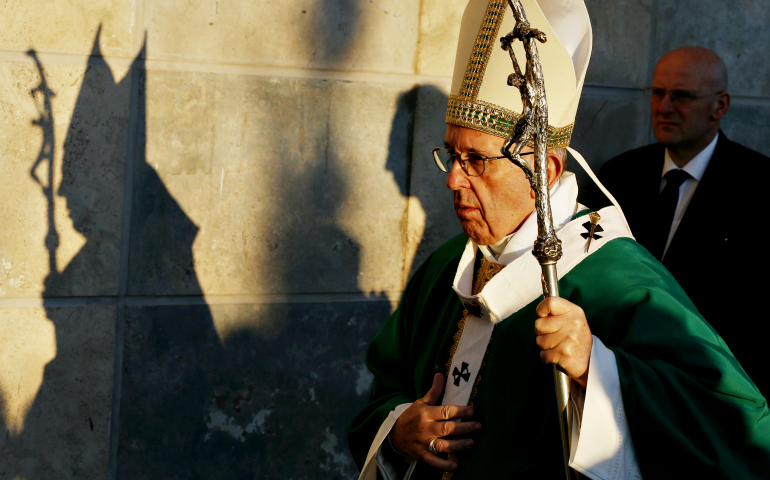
11 445
66 430
172 353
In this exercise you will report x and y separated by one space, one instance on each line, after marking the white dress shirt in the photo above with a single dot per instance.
695 167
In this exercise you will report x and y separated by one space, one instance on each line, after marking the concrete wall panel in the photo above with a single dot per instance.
439 29
606 127
244 391
273 148
336 34
68 27
84 129
735 30
272 185
56 370
747 123
621 42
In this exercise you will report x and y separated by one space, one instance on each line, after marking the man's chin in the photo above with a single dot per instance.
478 238
667 135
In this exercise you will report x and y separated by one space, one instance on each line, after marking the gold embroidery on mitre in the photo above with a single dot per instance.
486 40
498 121
465 110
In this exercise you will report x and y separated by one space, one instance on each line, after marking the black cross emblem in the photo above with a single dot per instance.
473 308
464 374
591 231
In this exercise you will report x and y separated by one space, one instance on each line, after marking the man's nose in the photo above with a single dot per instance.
457 178
666 105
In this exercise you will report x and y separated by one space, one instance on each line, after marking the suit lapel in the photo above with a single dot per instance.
696 233
643 192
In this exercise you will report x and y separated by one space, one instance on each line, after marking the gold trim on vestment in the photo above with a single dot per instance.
486 272
458 334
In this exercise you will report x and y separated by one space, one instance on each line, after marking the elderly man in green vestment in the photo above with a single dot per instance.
463 386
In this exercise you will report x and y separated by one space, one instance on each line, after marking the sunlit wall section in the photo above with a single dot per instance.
208 209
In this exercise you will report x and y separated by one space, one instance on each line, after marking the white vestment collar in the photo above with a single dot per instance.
516 286
563 207
519 283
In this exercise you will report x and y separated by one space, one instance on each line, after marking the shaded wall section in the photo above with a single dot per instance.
226 201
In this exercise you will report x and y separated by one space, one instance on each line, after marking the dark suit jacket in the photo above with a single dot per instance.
716 253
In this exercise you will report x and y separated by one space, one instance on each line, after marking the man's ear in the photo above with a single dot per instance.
555 168
721 106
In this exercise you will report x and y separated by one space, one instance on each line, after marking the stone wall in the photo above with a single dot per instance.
207 210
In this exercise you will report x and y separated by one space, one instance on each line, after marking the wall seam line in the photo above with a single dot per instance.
128 186
651 60
206 66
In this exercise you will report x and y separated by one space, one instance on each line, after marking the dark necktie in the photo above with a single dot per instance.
666 208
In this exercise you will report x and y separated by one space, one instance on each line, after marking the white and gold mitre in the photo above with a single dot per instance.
481 98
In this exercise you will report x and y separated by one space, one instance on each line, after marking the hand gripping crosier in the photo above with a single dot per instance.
532 128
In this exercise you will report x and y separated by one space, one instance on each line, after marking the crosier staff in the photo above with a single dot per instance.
532 127
46 157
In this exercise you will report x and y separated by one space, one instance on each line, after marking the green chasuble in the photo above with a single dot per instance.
691 409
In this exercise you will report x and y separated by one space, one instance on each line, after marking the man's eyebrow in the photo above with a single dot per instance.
471 150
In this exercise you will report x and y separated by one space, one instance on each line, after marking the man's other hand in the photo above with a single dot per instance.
564 337
424 421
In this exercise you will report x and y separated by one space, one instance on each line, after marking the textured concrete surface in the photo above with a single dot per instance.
59 426
439 29
621 42
27 344
68 27
289 185
277 158
606 127
744 124
735 30
338 34
244 391
86 128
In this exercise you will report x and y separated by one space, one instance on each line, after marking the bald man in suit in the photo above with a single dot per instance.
692 199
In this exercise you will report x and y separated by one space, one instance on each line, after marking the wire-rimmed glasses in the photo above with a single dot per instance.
473 166
679 98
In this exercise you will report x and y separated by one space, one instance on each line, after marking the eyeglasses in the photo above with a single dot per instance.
679 98
473 166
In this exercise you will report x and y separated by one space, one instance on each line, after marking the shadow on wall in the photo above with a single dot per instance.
337 27
66 430
430 201
271 399
266 390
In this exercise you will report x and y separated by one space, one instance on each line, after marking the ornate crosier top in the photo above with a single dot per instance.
532 127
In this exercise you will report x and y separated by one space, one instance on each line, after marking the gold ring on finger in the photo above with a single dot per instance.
432 445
